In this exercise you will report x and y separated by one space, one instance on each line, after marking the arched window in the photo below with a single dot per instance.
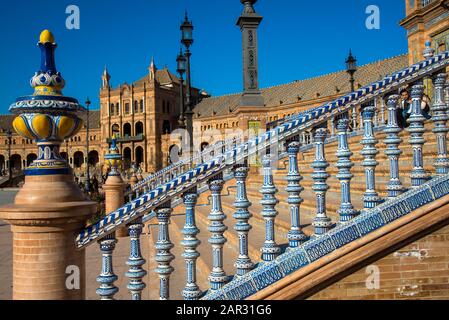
78 159
136 107
93 158
139 155
127 108
30 158
127 158
139 128
115 129
127 130
117 109
166 127
141 106
111 109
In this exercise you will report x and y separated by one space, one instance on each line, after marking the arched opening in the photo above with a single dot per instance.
30 158
115 129
93 158
166 127
2 165
117 109
139 128
127 130
126 158
136 107
141 106
173 154
111 109
78 159
203 146
16 163
139 155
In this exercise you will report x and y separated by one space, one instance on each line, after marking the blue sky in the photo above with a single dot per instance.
298 39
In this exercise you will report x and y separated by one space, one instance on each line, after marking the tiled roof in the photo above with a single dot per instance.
94 120
305 90
163 76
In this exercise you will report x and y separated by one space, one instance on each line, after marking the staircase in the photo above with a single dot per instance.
171 267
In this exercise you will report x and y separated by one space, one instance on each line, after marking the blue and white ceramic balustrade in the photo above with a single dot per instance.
371 198
392 141
278 265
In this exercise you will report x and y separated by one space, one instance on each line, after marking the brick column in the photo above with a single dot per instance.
114 198
44 218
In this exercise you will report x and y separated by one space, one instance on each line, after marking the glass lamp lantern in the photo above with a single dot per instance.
182 63
187 32
351 64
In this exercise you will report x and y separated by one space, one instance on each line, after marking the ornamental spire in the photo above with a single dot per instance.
47 116
47 81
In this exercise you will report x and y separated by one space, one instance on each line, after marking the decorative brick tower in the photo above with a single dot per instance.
50 208
249 22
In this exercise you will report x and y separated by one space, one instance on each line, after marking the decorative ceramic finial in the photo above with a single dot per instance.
47 116
428 51
46 37
113 159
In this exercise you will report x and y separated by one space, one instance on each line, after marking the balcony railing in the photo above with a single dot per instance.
128 138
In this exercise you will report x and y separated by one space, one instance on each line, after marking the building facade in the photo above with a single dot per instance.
144 114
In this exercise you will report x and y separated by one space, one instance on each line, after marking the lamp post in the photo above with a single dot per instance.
351 69
187 40
9 133
87 182
181 61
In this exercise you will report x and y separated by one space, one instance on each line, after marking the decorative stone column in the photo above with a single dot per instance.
416 129
270 249
344 165
295 235
446 94
50 208
163 246
190 244
322 223
370 198
217 228
242 215
393 152
440 117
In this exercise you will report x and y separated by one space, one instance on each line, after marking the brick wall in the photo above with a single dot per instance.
419 270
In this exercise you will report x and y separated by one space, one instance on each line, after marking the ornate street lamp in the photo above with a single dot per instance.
187 40
87 182
9 133
351 69
181 61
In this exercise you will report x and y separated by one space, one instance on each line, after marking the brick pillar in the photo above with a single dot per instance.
114 198
45 216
